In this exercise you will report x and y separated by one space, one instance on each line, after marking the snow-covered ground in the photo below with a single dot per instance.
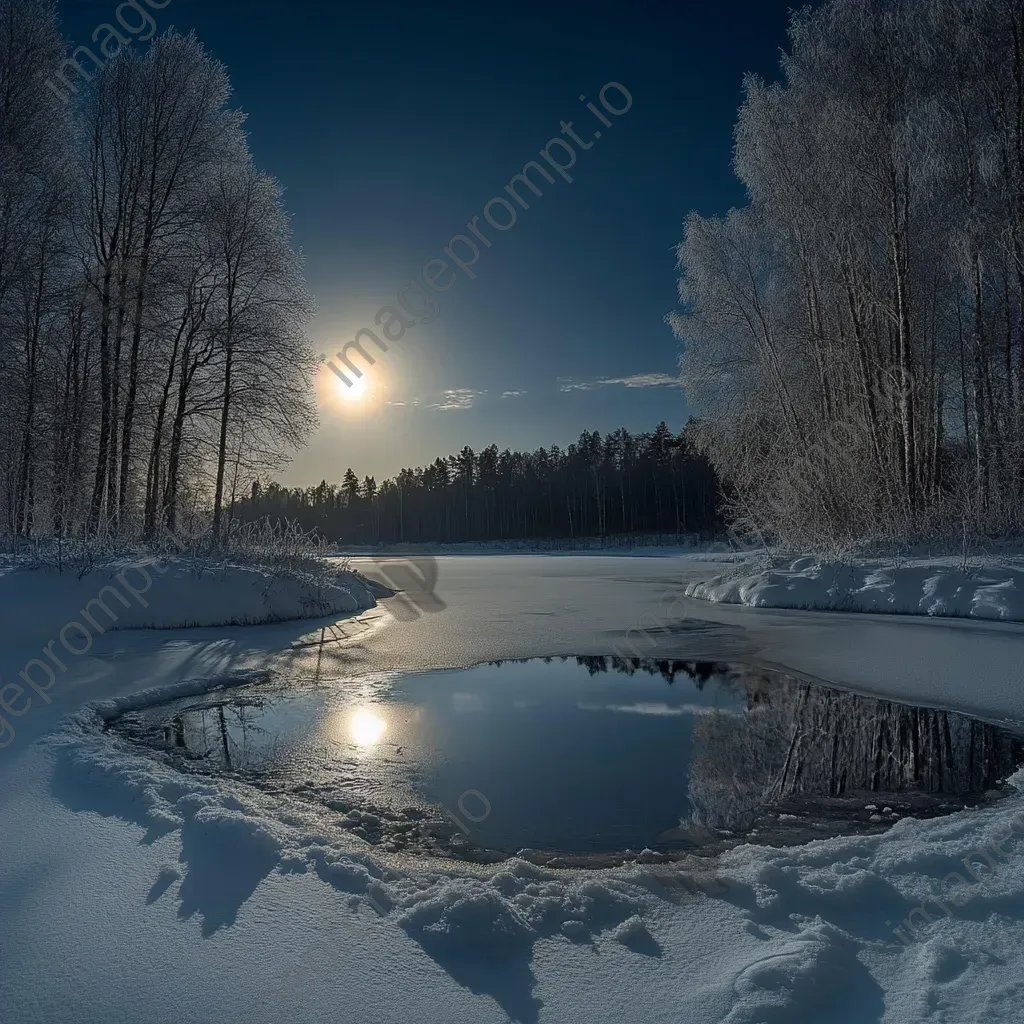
169 593
985 588
129 892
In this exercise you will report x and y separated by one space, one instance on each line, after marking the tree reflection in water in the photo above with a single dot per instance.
801 740
801 743
778 750
220 730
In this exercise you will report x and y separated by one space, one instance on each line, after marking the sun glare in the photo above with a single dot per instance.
366 728
355 396
356 393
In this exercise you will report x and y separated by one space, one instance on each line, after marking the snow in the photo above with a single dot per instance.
872 928
479 929
129 891
802 926
170 593
985 589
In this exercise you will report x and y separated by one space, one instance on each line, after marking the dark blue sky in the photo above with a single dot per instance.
392 124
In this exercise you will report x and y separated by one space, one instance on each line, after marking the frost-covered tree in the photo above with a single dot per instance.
156 125
36 182
152 310
852 336
265 366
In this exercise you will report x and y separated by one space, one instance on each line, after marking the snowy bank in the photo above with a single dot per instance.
986 589
170 593
887 926
234 836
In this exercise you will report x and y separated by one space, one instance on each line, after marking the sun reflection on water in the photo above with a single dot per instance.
366 728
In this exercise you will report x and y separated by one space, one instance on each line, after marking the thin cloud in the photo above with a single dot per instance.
653 708
456 399
643 380
638 380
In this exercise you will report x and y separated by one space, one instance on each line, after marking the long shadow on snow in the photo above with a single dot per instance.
96 793
223 872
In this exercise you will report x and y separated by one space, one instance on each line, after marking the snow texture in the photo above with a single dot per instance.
171 593
815 932
990 589
233 837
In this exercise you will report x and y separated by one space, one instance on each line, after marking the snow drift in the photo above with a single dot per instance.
170 593
992 589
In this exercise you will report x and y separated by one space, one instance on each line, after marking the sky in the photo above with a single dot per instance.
391 125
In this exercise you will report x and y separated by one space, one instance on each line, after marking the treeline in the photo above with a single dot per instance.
598 487
151 307
853 335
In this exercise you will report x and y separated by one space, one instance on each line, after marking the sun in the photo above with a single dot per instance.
354 395
352 389
357 392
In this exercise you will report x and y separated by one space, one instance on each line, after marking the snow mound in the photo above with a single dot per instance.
937 900
107 710
990 590
172 593
515 906
800 979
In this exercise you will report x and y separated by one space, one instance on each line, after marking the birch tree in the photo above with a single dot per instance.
152 310
852 336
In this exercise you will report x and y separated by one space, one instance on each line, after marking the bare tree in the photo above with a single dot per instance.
266 365
852 336
36 181
151 307
157 128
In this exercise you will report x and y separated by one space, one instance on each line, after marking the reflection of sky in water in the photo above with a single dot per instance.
570 756
567 760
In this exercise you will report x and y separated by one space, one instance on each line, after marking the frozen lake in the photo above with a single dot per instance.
460 611
482 608
252 878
